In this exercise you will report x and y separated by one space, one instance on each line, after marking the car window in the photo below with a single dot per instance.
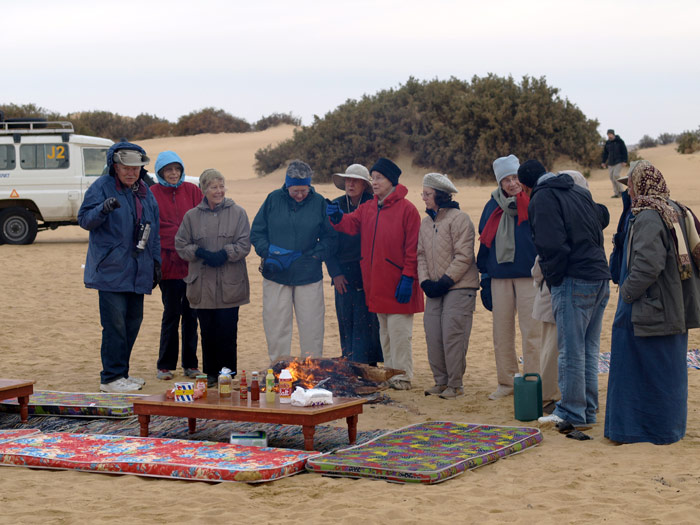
44 156
95 160
7 157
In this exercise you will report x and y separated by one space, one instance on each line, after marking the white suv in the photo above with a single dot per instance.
45 170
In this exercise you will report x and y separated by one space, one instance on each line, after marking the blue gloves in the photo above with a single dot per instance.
486 291
335 214
404 289
213 259
279 259
434 289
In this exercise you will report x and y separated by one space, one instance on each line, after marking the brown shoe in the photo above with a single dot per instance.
451 393
437 389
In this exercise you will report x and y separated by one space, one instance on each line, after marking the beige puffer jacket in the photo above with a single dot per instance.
446 246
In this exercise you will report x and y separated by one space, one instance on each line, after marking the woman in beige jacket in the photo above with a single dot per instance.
448 275
215 238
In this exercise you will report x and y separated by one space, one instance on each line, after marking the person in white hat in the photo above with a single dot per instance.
359 328
448 275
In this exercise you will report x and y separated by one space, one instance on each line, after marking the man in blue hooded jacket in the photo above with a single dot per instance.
123 258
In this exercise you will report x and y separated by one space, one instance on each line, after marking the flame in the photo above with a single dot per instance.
307 373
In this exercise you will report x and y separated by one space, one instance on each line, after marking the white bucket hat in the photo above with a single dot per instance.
354 171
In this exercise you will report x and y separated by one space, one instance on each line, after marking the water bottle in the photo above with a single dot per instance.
527 397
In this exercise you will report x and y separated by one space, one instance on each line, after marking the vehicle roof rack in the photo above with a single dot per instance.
35 127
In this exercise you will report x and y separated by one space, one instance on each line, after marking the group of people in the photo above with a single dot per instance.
541 259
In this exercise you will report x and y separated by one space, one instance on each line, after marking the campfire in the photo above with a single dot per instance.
343 378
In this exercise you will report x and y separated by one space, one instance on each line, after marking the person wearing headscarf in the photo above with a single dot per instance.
175 197
448 275
292 235
505 258
659 301
389 226
359 328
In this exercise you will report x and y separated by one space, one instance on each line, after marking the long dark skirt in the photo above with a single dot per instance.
359 328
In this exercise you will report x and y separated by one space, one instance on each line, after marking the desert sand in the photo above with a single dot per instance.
51 333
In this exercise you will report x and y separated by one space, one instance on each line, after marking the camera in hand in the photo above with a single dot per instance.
144 233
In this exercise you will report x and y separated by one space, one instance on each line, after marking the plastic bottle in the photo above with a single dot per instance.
254 388
225 381
270 387
527 397
285 386
244 387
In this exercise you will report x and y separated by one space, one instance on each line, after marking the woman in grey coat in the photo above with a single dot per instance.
214 238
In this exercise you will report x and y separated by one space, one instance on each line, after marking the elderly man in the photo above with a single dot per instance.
567 228
123 258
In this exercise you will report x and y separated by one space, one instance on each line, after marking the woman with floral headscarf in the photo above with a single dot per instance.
658 303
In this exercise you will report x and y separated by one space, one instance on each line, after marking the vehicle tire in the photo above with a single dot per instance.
17 226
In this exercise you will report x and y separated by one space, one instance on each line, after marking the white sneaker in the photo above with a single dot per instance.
120 385
551 418
136 380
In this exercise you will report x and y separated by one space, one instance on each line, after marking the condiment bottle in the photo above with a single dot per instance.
244 387
285 386
201 384
225 381
270 386
254 388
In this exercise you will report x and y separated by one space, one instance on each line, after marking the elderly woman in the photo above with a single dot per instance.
505 258
214 238
659 301
389 226
359 328
292 235
448 276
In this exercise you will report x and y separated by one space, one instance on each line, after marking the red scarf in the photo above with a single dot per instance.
491 227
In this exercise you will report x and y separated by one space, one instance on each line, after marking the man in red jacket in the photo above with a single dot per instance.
175 197
388 226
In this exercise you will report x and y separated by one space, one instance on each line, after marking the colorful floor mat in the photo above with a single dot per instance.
156 457
428 452
693 361
75 404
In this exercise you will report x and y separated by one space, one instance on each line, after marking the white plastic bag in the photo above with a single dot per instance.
311 397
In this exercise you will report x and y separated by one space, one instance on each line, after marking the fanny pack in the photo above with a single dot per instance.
279 259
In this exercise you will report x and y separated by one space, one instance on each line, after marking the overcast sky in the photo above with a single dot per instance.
633 65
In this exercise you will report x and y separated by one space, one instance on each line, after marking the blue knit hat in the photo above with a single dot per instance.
387 168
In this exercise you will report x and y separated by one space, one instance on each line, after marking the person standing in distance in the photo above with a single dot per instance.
614 158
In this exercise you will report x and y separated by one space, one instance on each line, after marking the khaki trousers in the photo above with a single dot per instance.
549 357
448 325
307 303
615 172
511 296
396 334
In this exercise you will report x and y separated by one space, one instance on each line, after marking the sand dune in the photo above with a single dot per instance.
51 333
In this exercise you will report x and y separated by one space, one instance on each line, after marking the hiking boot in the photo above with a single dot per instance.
400 385
437 389
120 385
164 375
192 372
451 393
500 392
140 381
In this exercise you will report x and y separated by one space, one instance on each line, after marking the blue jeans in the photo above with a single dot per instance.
121 314
578 310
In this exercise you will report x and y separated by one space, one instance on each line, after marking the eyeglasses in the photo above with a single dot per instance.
298 192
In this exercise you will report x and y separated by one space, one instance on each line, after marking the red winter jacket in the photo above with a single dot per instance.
173 203
389 242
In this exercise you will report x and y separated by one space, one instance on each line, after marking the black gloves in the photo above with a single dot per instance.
157 273
486 291
109 205
434 289
213 259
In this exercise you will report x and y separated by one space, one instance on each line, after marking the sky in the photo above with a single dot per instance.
632 65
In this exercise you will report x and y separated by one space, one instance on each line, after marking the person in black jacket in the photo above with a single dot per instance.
567 227
614 158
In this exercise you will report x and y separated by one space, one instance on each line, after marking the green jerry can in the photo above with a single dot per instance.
527 396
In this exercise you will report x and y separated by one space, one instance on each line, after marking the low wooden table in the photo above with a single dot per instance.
21 389
234 409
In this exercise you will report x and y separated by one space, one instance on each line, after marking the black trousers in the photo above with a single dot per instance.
219 327
176 313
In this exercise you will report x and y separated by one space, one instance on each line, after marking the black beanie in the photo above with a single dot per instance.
530 171
387 168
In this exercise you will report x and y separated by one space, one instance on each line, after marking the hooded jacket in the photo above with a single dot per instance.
112 263
567 227
388 244
174 200
614 151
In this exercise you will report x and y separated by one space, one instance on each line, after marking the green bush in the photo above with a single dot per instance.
210 120
647 142
275 120
455 126
667 138
688 141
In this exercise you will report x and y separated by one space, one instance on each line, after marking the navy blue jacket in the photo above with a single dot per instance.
614 151
524 250
567 227
112 264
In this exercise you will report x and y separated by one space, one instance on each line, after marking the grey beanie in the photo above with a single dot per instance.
440 182
504 166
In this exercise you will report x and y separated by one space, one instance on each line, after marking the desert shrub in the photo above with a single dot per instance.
688 141
667 138
275 119
210 120
270 158
28 111
455 126
647 142
632 156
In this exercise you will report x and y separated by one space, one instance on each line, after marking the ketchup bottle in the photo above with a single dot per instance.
255 388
